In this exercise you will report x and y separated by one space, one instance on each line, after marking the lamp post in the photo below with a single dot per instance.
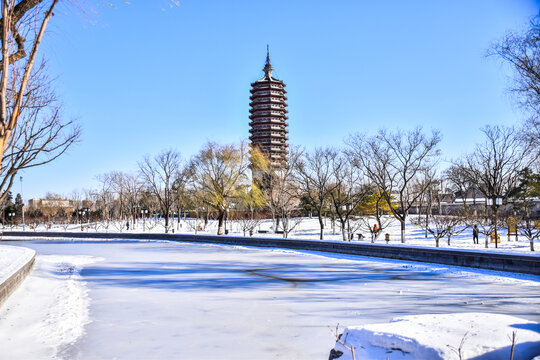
346 208
81 214
143 214
22 207
11 215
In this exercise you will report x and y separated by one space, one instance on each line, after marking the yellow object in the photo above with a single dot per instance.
498 238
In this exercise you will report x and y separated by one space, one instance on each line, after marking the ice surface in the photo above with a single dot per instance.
191 301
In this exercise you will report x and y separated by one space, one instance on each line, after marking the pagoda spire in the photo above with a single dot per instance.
268 67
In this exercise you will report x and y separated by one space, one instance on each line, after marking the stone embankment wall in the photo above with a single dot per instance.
490 260
8 286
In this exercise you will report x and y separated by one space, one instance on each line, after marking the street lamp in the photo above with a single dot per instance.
11 215
22 207
143 214
81 213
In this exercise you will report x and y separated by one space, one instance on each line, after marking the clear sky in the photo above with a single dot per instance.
141 76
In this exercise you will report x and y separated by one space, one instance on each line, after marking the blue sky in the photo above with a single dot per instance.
141 76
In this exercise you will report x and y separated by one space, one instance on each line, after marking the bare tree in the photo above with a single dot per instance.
282 193
158 174
128 188
217 172
364 223
103 197
463 183
313 173
40 136
22 27
348 192
392 160
440 226
496 165
522 52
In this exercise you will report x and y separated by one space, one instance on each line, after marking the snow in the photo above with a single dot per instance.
135 300
308 229
443 336
48 312
12 258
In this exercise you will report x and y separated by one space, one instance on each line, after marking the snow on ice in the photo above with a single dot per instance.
479 336
178 300
48 312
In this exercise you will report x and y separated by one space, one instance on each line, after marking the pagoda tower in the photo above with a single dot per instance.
268 115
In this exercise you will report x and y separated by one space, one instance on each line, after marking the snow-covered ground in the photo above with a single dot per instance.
139 300
308 228
479 336
12 258
48 311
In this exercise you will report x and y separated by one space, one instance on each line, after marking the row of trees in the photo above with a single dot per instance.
392 172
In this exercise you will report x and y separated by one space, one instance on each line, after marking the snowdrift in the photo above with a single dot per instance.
478 336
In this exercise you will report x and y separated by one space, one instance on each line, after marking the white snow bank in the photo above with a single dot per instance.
433 337
12 258
50 309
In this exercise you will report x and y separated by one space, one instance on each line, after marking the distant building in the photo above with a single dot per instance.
67 205
268 115
41 203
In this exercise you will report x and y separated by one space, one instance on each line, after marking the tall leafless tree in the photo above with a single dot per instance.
497 162
462 184
128 188
158 174
392 161
313 173
22 28
348 191
40 135
283 193
522 52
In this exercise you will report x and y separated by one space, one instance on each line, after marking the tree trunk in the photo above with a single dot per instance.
321 224
402 221
343 229
495 217
531 241
178 222
221 217
166 222
436 241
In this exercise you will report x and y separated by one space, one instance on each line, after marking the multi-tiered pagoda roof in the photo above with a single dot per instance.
268 115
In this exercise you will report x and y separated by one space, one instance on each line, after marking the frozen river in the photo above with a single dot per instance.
161 300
